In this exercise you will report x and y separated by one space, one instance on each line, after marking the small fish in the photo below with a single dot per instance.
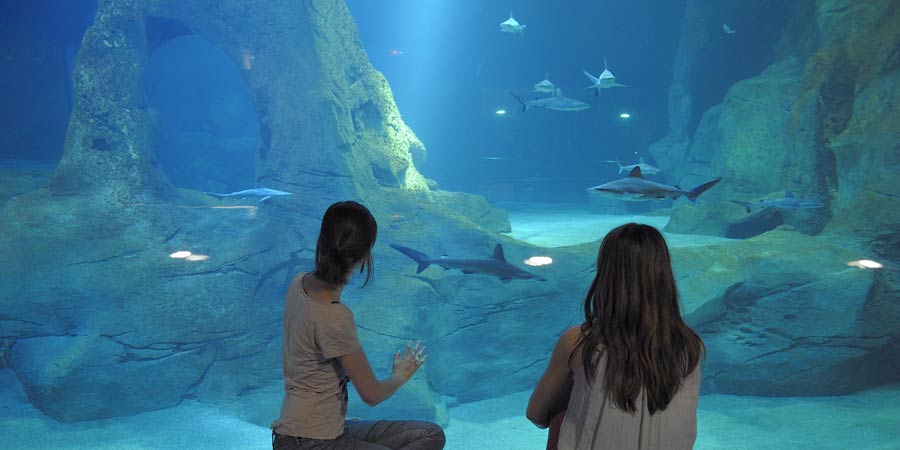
395 52
262 193
512 26
728 30
788 202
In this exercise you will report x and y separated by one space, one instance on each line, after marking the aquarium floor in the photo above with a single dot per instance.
865 420
539 224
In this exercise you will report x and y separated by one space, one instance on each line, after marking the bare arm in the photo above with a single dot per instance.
372 390
554 381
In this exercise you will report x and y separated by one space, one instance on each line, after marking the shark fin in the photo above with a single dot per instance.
521 100
498 253
420 258
746 205
264 199
636 172
788 194
695 192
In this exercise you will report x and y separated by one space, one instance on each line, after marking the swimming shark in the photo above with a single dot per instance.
605 81
645 168
262 193
558 102
728 30
512 26
636 188
788 202
496 265
545 86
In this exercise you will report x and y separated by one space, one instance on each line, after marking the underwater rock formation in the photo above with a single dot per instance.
820 121
808 123
98 320
783 314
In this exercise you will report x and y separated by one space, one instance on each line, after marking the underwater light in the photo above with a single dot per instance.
865 264
537 261
197 258
180 254
500 112
624 116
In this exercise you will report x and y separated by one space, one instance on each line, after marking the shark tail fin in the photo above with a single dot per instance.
218 196
521 100
695 192
420 258
746 205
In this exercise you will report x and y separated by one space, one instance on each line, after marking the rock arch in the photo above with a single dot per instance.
311 82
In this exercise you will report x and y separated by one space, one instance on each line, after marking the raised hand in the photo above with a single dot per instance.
407 363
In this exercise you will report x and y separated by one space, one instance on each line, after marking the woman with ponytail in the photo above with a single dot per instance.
628 377
321 352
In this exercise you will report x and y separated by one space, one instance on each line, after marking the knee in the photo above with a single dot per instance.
436 434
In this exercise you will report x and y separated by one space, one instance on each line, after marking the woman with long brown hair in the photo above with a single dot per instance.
633 366
321 352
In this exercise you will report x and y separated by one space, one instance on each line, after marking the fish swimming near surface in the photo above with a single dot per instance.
512 26
606 80
645 168
558 102
262 193
636 188
496 265
728 30
788 202
545 86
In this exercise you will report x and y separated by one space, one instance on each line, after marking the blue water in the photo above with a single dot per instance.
451 71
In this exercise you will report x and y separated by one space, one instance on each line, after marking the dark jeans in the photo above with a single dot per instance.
365 435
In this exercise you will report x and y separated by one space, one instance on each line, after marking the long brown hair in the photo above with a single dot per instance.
632 315
347 236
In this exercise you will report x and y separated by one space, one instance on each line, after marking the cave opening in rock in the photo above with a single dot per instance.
209 130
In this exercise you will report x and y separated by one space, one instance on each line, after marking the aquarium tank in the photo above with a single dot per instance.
165 165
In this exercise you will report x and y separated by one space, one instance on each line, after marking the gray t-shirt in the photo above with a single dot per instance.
594 422
315 384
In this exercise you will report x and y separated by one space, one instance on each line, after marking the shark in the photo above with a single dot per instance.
512 26
728 30
262 193
645 168
545 86
606 80
496 265
558 102
788 202
636 188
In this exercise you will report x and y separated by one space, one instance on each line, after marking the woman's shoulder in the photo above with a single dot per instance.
570 338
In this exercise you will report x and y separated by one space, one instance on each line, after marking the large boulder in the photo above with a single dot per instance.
784 314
